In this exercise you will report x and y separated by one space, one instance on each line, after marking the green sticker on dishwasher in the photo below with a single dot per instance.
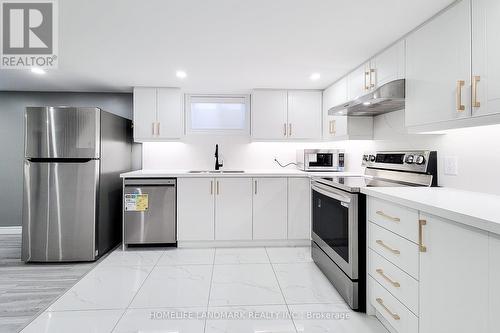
136 202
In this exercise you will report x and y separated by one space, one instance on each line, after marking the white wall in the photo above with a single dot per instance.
477 150
238 153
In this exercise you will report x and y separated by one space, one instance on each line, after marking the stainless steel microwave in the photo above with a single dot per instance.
320 159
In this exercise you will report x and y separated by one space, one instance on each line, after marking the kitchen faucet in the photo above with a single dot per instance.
217 164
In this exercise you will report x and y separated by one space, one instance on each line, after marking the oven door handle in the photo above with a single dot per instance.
345 201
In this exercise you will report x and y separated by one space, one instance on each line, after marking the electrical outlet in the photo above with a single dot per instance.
451 165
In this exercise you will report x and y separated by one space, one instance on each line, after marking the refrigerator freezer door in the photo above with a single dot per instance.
153 219
59 211
62 132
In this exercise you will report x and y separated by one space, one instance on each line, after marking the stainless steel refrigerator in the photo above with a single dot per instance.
72 189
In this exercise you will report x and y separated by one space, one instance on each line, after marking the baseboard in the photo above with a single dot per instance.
10 230
245 243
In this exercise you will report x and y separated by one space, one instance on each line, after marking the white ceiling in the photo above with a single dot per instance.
223 45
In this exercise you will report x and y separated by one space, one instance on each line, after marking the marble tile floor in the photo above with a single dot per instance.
28 289
204 290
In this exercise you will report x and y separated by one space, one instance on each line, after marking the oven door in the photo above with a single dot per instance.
335 226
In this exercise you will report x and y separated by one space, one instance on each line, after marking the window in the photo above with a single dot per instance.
218 114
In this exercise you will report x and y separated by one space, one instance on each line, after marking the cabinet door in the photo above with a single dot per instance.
233 209
437 61
269 208
269 109
304 114
494 287
170 120
453 278
485 56
299 208
145 115
195 209
333 96
389 65
358 82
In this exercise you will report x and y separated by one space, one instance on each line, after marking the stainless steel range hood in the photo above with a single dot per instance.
387 98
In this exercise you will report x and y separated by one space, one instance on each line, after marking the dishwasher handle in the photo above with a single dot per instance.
149 182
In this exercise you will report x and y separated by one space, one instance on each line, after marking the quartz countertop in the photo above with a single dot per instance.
479 210
247 173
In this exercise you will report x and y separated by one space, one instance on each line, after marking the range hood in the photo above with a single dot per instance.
387 98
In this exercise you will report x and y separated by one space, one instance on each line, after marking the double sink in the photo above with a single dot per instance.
216 171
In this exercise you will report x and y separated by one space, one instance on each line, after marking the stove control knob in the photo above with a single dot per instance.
372 158
365 158
409 159
420 159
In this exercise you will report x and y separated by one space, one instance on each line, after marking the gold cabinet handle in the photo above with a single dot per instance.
460 106
421 246
367 73
211 187
384 215
290 129
334 127
255 187
381 243
153 128
330 127
393 315
217 187
382 274
284 129
475 102
372 74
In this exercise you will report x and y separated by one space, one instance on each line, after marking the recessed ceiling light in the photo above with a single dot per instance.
38 70
315 76
180 74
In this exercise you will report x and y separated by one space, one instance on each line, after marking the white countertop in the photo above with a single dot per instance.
479 210
248 173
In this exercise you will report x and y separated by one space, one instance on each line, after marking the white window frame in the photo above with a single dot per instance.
218 99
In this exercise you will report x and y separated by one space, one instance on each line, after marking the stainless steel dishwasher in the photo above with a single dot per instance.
149 211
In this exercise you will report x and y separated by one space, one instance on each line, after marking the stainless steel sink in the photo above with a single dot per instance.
216 171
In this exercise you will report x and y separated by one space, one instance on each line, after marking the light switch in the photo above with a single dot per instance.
451 165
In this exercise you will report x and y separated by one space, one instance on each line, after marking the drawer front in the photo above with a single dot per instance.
398 283
398 219
398 250
402 319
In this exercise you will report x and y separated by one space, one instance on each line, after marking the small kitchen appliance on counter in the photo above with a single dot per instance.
320 159
339 215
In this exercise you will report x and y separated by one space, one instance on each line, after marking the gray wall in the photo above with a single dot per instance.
12 106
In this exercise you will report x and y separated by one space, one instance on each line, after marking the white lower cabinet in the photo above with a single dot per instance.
453 277
494 283
269 208
299 208
458 272
233 208
195 209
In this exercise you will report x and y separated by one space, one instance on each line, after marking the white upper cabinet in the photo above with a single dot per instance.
388 65
281 114
358 81
453 278
269 208
157 114
269 114
170 116
485 57
304 114
438 58
233 207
